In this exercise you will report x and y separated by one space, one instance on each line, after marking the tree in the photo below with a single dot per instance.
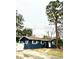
45 37
19 23
18 32
60 30
54 11
27 32
17 39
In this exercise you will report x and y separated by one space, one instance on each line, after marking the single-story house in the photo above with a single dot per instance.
30 43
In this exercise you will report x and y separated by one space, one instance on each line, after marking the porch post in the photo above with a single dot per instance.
49 44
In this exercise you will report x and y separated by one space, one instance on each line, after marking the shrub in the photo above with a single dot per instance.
17 39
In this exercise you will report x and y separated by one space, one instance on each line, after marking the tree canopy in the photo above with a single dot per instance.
20 30
54 11
27 32
19 20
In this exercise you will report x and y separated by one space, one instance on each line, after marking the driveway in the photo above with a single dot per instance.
32 54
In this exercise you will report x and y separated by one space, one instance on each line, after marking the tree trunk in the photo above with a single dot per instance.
56 33
58 37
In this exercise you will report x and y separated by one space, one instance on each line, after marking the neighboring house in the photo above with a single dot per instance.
30 42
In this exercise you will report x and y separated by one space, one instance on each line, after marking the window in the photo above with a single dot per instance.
34 42
26 42
41 42
53 43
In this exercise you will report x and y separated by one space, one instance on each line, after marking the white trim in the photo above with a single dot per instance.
41 42
49 44
26 42
34 42
53 43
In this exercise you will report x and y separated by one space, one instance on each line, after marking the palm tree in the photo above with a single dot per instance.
54 11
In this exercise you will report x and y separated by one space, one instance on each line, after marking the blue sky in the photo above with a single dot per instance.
34 15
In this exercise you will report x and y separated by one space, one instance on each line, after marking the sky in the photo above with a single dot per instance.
34 13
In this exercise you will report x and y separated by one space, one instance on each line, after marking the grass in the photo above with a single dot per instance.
52 52
55 52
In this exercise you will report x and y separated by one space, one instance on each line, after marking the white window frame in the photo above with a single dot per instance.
41 42
26 42
53 43
34 42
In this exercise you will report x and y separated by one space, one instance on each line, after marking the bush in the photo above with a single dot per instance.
17 39
60 42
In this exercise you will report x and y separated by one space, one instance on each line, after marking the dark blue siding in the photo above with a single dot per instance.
31 46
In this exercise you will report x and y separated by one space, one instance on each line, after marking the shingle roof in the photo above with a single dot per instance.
36 38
